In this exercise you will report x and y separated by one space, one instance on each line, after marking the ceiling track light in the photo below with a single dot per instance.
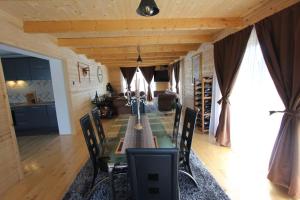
147 8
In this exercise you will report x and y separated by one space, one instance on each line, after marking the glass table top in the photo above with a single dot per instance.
161 126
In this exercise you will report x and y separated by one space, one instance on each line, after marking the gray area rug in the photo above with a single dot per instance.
208 189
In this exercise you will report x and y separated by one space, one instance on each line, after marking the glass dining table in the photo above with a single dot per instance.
121 134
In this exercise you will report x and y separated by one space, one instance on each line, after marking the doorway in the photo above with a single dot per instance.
37 95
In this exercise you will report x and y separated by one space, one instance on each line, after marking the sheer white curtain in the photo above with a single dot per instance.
253 130
139 79
215 107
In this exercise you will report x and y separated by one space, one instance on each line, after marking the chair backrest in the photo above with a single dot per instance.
134 107
127 93
142 93
90 138
177 121
98 124
187 133
153 173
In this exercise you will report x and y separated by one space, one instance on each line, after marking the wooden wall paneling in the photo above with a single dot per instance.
79 94
10 166
115 78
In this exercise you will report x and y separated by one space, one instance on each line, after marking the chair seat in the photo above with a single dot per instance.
107 146
102 163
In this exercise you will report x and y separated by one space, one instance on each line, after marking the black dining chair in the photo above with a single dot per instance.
142 93
99 162
186 142
134 107
98 125
150 180
176 123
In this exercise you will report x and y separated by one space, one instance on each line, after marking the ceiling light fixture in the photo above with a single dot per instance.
147 8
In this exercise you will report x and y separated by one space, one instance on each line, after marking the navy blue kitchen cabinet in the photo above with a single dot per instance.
51 111
20 118
8 69
26 68
40 69
16 68
37 116
31 119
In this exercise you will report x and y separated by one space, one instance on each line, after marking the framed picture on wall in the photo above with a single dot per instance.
83 71
196 66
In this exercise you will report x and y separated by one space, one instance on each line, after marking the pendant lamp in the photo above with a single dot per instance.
147 8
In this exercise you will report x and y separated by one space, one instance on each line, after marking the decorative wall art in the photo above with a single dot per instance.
83 71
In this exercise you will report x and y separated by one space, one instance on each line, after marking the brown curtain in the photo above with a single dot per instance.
148 73
228 55
279 37
128 73
176 67
170 71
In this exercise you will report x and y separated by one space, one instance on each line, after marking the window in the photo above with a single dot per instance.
253 130
138 79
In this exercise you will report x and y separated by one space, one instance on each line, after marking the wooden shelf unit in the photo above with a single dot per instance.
202 102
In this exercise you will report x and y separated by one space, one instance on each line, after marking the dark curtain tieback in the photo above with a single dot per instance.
224 98
288 112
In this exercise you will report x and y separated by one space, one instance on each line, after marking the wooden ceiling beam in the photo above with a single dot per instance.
134 60
134 64
130 25
134 55
144 49
134 40
110 60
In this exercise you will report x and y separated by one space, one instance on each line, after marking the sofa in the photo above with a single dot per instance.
120 107
166 101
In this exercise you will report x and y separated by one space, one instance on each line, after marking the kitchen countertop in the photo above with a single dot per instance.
13 105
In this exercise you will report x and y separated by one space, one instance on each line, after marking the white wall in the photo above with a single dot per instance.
60 96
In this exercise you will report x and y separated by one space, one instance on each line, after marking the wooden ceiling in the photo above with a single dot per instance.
109 31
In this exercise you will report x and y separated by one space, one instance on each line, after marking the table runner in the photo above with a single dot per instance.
138 138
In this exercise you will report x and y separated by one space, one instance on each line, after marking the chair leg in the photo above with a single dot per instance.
95 188
112 184
190 176
189 169
94 177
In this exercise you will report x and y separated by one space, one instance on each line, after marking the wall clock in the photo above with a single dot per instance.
99 74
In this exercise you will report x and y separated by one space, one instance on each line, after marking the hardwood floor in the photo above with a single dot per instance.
50 164
240 177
